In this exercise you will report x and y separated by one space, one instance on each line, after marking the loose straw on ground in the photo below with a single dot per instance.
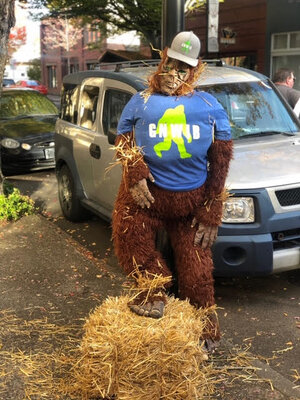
42 359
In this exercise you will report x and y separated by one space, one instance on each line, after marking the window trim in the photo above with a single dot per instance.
106 90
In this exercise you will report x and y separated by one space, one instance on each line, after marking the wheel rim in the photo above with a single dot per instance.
65 193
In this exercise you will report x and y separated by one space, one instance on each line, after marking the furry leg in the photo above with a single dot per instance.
194 267
134 233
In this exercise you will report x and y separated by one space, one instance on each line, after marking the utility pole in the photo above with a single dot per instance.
172 20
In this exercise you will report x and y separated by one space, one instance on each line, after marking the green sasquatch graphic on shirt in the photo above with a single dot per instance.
172 127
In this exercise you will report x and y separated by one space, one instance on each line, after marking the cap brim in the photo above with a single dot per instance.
181 57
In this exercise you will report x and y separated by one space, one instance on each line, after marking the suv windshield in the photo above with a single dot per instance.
253 108
18 104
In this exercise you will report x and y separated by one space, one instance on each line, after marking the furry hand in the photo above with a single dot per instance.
205 235
141 194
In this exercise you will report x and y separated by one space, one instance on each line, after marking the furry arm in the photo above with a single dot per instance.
219 156
134 167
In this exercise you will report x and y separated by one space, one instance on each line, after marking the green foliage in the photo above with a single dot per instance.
34 71
8 188
13 205
144 16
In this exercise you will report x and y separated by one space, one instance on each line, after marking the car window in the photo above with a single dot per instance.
88 106
7 82
253 108
114 102
69 111
32 83
17 104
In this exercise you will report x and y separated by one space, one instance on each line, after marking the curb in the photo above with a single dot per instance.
279 382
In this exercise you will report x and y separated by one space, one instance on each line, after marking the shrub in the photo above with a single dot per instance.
14 205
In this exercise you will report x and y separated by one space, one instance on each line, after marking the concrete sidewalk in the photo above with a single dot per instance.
55 98
45 275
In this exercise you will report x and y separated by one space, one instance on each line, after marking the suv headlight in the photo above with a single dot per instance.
10 143
238 210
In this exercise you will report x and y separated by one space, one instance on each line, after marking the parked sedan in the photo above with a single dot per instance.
27 124
32 85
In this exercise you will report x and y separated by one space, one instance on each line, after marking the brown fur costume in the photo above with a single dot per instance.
135 228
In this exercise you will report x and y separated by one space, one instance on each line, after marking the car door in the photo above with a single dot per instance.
106 175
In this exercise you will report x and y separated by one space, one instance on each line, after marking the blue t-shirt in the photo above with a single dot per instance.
175 134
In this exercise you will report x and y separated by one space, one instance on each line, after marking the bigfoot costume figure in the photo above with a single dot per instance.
175 146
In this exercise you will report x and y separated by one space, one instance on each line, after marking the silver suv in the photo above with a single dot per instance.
260 233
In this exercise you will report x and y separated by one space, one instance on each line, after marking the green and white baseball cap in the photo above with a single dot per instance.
185 47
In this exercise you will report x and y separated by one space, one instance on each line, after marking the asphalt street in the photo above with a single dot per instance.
258 314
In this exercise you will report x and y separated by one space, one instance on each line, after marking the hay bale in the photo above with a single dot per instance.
138 358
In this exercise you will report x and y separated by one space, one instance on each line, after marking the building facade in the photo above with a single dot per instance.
241 32
262 35
84 54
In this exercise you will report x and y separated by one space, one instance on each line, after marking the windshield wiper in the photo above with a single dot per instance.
267 133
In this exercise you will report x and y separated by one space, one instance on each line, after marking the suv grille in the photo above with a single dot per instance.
288 197
286 239
45 144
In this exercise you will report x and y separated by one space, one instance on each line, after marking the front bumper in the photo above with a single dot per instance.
270 245
24 161
252 255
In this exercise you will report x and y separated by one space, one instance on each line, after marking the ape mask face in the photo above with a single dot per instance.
173 75
181 84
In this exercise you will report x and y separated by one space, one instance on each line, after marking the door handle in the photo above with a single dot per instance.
95 151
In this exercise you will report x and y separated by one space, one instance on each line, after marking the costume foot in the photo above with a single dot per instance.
211 345
152 309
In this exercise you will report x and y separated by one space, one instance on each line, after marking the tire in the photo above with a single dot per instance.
68 199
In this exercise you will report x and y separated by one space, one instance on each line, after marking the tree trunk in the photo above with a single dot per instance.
7 20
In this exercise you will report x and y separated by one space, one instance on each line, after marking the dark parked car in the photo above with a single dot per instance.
31 84
8 82
27 123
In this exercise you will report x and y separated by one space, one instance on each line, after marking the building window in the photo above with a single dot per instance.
280 41
285 53
74 68
248 61
51 75
91 66
295 40
91 34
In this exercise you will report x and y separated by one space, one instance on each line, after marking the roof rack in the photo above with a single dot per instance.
119 65
217 62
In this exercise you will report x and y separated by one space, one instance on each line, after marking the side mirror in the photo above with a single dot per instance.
112 135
